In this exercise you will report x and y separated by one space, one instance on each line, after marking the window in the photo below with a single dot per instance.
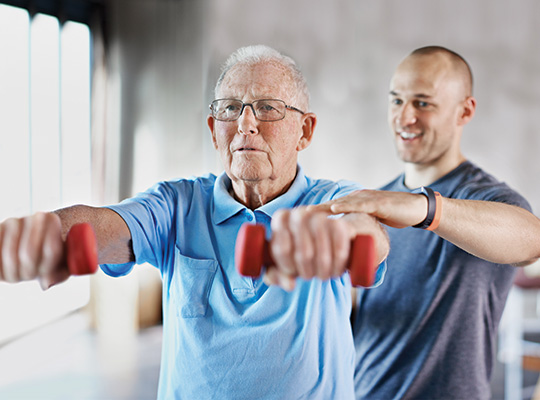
45 149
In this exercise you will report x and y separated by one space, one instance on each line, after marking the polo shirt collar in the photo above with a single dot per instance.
225 206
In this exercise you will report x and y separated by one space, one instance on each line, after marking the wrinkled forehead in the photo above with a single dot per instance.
266 80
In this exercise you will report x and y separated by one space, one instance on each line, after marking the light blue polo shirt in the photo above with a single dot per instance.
230 337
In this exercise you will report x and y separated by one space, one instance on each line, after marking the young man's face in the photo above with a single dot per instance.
425 103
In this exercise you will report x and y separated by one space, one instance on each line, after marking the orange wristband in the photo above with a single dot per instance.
433 217
438 210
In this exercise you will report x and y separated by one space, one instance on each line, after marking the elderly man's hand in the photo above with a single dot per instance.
32 247
307 244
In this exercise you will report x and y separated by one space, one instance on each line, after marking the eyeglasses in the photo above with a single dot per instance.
264 110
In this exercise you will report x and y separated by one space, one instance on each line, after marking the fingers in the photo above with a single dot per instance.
11 236
273 276
52 268
341 246
396 209
323 207
282 243
307 244
357 201
32 247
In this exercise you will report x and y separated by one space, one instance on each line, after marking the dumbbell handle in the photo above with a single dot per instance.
81 250
253 251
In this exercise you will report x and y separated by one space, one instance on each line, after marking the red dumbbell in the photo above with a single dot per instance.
81 250
252 252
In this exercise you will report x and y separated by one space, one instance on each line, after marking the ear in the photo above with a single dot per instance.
468 110
309 121
211 121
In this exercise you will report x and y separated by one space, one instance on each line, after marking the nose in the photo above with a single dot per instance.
406 115
247 123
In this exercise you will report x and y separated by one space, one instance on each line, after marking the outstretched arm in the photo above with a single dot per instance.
497 232
32 247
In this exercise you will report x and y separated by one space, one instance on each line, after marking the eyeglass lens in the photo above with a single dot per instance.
264 110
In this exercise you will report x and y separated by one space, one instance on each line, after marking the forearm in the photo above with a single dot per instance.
33 247
112 234
496 232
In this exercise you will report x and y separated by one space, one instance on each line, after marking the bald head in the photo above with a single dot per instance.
455 66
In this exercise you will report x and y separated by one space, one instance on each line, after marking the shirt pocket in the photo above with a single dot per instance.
191 285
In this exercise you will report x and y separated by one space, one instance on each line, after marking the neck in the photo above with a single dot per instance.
254 194
417 175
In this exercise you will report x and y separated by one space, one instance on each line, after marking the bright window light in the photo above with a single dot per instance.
45 112
75 112
45 153
14 112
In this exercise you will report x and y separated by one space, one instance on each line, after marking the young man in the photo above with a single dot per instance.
227 336
429 332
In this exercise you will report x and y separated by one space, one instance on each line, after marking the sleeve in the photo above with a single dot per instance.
345 188
150 218
499 192
379 275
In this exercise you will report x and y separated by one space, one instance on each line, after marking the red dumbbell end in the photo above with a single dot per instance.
81 250
249 250
363 261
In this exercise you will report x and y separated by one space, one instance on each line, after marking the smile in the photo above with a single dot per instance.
409 135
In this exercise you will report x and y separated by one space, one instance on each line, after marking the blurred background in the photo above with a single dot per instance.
101 99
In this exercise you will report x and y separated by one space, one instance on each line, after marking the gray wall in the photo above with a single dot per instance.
166 54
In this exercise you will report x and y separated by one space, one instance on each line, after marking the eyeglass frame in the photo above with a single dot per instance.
287 107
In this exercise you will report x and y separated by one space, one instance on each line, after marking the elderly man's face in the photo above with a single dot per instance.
254 151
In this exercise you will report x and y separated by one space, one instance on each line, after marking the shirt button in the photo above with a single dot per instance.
250 217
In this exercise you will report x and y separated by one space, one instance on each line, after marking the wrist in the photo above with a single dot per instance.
433 217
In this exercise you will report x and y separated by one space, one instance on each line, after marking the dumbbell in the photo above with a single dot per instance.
252 252
81 250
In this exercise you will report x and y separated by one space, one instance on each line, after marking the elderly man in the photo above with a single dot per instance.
228 336
430 331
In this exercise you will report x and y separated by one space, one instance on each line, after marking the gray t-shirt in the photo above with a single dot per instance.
429 331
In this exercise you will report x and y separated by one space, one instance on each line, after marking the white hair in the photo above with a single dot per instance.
251 55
